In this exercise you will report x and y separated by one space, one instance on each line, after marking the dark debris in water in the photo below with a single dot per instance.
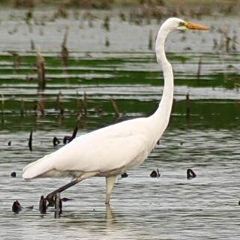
13 174
124 175
30 141
155 174
42 205
191 174
65 199
56 141
16 207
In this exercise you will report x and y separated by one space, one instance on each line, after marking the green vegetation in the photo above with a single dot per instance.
64 98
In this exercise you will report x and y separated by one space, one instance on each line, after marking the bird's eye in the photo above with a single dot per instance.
182 24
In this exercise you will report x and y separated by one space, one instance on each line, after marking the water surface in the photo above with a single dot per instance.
203 133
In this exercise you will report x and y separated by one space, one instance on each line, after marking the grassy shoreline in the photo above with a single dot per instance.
202 7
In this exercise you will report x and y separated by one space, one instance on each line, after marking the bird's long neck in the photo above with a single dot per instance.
162 114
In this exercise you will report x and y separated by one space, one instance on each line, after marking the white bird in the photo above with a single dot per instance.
112 150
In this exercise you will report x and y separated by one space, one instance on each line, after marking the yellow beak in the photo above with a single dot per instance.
195 26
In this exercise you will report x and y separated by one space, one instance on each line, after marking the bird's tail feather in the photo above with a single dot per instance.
37 168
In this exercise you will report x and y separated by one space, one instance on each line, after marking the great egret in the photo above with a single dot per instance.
112 150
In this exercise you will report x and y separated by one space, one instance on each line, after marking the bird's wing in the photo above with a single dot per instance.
91 154
104 155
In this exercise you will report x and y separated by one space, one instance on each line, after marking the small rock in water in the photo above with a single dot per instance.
13 174
9 143
16 207
155 173
191 174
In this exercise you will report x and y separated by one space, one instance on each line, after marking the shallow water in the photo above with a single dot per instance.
169 207
203 133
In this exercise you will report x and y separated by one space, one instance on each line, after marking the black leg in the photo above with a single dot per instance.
51 195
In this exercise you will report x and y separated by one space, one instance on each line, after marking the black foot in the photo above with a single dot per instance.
51 200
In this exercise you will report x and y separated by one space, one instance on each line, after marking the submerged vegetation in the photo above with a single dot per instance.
70 65
98 92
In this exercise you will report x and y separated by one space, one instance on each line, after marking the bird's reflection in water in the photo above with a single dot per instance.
109 216
93 223
95 217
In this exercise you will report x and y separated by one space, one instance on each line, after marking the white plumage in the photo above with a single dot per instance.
112 150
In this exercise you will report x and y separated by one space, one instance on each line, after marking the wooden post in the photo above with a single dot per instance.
42 205
199 68
64 51
41 72
58 206
150 41
3 106
30 141
188 107
116 110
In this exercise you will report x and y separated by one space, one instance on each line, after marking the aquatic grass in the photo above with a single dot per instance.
132 80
